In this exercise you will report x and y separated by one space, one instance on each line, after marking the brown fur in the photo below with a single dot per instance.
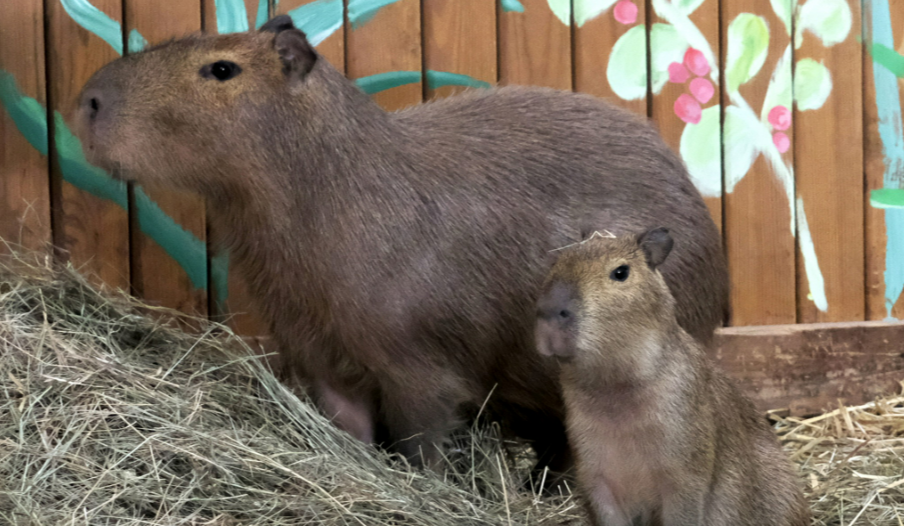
659 436
397 255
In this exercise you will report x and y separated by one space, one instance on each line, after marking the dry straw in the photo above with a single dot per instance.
111 416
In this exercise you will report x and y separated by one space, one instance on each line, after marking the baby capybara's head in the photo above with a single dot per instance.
185 112
600 291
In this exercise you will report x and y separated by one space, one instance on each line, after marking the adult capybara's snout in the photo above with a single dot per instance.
95 116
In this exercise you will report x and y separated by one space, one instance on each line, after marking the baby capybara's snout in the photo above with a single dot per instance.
98 105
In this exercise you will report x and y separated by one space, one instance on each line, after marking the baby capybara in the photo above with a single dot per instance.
659 437
397 256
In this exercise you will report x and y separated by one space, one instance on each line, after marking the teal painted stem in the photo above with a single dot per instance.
889 125
888 58
512 5
181 245
887 198
231 16
76 169
220 280
318 19
436 79
95 21
384 81
27 114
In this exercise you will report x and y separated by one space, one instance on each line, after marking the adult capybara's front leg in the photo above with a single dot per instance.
418 415
351 408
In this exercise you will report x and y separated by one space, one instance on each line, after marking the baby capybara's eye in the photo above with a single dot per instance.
221 70
620 273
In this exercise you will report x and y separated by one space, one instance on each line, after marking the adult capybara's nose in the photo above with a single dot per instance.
95 107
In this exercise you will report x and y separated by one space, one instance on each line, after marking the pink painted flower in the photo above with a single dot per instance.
678 73
782 142
696 62
780 117
687 109
625 12
701 89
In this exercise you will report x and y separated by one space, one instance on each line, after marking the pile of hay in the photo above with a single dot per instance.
110 416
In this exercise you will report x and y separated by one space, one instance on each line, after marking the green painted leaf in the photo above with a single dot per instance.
779 93
626 70
513 6
96 21
29 116
813 84
384 81
261 17
360 11
738 145
318 19
667 45
231 16
700 149
562 9
136 41
586 10
783 10
887 198
888 58
748 39
829 20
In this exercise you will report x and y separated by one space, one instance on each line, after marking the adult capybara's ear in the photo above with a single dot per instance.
296 53
656 244
278 24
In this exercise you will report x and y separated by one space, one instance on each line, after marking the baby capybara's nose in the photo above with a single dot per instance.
93 105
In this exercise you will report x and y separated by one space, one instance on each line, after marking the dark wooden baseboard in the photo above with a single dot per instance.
806 368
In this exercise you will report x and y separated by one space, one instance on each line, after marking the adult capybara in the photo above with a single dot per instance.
659 437
397 256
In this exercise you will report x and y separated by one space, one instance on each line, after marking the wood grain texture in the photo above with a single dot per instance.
333 47
808 368
875 236
24 178
390 41
757 231
535 47
594 40
460 37
829 180
707 19
156 276
91 232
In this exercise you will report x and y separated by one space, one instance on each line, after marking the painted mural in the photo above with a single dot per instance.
719 153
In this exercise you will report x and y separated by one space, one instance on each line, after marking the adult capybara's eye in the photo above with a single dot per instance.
221 70
620 273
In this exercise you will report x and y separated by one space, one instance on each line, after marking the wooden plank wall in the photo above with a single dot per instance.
717 78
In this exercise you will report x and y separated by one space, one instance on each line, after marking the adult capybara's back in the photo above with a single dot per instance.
398 255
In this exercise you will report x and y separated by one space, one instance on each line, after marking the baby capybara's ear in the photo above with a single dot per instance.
656 244
296 53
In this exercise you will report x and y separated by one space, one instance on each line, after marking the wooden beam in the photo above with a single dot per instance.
808 368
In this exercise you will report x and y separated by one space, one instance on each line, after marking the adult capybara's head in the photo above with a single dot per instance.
601 291
187 112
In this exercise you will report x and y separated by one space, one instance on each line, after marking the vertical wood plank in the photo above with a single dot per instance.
758 223
828 180
459 37
881 164
332 47
229 295
91 231
705 164
156 276
595 39
24 179
535 45
384 43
